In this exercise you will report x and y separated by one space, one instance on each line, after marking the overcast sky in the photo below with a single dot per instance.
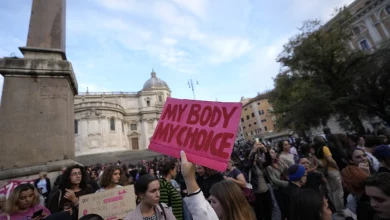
228 46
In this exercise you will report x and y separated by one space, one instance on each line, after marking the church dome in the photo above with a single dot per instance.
155 83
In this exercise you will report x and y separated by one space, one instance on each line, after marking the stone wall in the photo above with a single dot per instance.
35 121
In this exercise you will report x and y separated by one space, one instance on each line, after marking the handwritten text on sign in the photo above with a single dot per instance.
110 204
205 130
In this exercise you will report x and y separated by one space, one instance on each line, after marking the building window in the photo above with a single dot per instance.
255 123
148 103
364 45
243 127
258 103
388 10
263 120
160 98
76 126
250 125
261 112
112 124
265 128
356 30
245 109
246 133
133 127
242 119
247 117
253 115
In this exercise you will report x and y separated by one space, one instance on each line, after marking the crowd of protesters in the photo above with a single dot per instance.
334 177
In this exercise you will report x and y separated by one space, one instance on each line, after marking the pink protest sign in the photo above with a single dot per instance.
11 185
204 130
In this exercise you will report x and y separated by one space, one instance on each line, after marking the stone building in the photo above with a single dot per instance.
370 23
256 119
118 121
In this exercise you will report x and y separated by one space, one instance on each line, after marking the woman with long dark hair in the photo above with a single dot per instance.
207 178
73 185
310 205
377 187
147 188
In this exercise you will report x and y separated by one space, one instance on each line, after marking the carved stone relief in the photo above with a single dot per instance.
93 112
94 140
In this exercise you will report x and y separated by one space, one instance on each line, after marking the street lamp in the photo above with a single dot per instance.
191 85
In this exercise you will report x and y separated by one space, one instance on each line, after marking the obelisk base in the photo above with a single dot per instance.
37 109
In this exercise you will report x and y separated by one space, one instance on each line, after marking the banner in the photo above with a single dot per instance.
206 131
110 204
10 186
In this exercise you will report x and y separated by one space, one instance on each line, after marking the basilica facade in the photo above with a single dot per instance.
118 121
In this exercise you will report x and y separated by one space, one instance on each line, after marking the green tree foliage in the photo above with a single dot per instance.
321 76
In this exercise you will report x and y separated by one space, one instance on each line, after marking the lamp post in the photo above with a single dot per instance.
192 85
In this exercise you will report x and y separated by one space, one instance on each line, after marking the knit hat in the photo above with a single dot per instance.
296 172
382 152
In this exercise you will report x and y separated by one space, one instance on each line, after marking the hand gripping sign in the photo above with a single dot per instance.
206 131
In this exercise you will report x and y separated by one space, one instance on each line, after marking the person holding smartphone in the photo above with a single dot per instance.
73 185
23 203
260 159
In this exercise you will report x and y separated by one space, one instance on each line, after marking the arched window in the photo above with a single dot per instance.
112 124
388 10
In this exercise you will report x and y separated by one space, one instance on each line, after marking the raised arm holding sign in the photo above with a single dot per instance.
205 130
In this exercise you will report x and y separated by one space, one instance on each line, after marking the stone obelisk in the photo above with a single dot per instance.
37 109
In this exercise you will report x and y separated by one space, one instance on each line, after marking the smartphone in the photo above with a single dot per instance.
37 213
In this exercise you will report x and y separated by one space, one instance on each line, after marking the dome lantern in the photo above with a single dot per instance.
155 83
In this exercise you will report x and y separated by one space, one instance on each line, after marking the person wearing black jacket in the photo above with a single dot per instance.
43 185
206 179
353 180
73 185
260 158
297 178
